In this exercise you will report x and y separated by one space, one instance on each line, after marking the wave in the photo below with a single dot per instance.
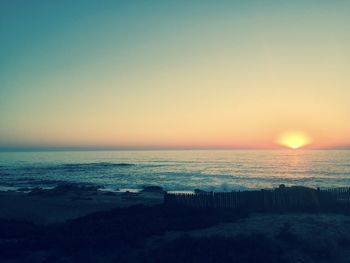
95 165
72 167
56 172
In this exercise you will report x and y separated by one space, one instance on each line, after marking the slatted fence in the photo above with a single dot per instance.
283 198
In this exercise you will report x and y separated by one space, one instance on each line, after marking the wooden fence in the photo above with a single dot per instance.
283 198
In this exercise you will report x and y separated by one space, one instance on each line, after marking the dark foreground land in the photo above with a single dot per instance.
153 232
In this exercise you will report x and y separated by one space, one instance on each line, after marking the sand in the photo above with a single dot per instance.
302 237
49 208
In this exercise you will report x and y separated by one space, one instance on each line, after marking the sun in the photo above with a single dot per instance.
294 139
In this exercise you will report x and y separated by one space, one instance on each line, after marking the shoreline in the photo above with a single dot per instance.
68 201
73 223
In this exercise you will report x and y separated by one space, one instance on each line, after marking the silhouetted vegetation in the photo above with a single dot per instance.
286 235
115 230
19 238
242 248
137 234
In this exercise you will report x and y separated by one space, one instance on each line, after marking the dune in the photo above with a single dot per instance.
67 202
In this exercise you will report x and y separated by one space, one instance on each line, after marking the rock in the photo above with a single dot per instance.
108 193
153 189
37 191
24 189
70 188
199 191
64 188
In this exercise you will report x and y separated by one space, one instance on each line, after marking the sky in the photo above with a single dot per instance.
173 74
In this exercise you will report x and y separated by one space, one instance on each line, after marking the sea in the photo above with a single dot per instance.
177 170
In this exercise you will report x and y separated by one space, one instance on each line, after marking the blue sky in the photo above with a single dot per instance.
173 73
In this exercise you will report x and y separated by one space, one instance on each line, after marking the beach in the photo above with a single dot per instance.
74 223
174 131
68 202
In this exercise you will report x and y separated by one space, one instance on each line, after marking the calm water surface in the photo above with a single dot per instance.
177 170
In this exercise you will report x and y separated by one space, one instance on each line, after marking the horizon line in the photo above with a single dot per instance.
151 148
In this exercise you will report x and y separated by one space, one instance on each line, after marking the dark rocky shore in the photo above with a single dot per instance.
138 227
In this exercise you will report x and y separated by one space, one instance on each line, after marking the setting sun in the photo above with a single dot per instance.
294 140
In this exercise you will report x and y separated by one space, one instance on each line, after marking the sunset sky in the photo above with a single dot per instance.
174 74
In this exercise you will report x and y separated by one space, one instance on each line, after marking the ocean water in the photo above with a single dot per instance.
223 170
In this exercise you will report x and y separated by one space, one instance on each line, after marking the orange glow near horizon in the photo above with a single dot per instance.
294 139
235 75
